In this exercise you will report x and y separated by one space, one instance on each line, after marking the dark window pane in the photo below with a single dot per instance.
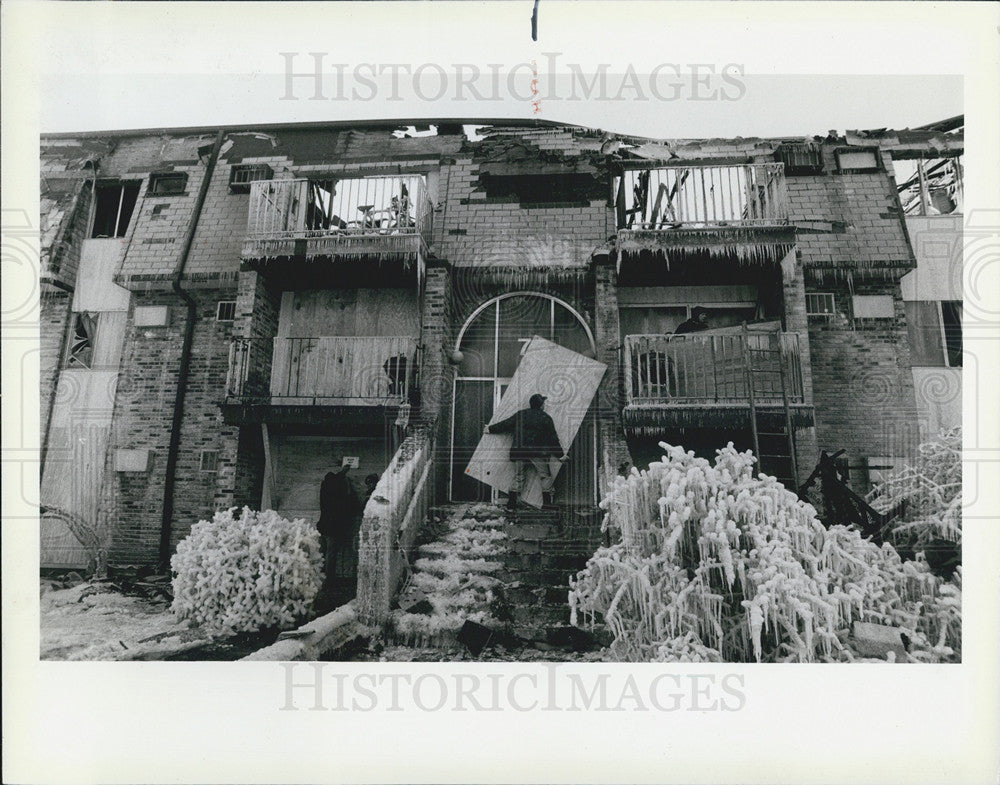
521 318
130 195
477 345
473 410
106 201
651 321
569 332
924 326
951 315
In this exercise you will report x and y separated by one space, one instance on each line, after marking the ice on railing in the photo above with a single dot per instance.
691 196
710 368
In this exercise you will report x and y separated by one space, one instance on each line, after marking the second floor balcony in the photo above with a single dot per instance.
332 371
722 209
368 219
692 380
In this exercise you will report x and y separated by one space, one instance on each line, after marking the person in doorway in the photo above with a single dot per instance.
697 322
370 482
338 510
535 442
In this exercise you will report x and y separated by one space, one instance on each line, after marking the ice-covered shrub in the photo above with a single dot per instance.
247 572
713 563
929 493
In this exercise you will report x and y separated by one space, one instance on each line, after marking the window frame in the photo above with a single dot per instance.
255 172
822 314
157 179
219 309
841 169
121 186
212 462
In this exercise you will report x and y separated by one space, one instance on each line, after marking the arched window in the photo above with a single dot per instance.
491 342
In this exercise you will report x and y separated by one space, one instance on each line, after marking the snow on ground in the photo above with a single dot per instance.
461 654
94 622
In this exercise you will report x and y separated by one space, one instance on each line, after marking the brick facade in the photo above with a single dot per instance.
849 239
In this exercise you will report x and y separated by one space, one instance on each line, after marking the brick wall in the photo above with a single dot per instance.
614 452
53 315
142 420
65 224
862 383
473 230
848 221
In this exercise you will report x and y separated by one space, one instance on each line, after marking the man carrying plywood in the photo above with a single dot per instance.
534 441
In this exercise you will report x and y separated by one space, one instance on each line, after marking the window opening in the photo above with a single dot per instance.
113 207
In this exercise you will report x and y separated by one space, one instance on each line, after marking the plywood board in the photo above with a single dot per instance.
568 380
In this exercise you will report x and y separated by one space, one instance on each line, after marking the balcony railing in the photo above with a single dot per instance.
381 217
692 197
345 370
710 369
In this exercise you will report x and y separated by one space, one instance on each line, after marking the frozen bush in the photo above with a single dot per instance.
713 563
241 574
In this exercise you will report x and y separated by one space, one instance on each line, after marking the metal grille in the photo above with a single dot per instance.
242 175
820 304
226 311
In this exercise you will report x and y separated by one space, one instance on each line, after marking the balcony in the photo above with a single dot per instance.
370 219
731 210
703 380
338 373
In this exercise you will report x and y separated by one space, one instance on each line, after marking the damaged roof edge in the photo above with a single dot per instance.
319 125
926 138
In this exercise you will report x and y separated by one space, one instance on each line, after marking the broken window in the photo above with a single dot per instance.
82 341
113 207
930 186
167 183
556 188
800 158
951 318
935 330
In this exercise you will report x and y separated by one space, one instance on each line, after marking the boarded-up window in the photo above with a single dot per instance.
924 326
857 161
872 306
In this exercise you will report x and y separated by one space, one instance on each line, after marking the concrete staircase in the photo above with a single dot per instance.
544 548
507 573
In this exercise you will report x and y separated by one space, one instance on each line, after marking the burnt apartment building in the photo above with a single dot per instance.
225 312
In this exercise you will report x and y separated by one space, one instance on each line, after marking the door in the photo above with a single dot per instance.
491 343
569 381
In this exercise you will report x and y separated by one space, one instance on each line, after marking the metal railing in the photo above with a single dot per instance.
709 369
674 197
325 207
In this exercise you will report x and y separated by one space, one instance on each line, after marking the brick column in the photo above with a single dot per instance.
613 450
794 302
437 373
241 456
